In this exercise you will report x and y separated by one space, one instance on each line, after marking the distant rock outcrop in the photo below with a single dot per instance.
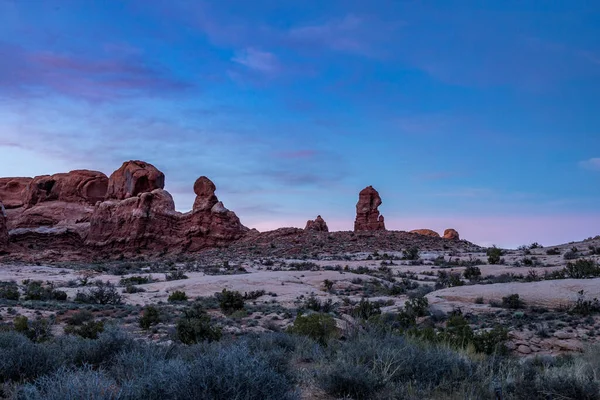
80 186
3 228
318 225
451 234
205 194
12 191
133 178
367 213
426 232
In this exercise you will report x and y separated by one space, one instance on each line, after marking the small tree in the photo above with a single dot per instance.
230 301
149 317
320 327
494 255
195 326
472 273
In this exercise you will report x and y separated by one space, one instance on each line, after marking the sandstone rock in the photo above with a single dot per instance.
451 234
205 194
426 232
523 349
318 225
133 178
565 335
3 228
80 186
12 191
367 213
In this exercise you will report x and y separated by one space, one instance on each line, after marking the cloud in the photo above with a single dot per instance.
257 60
591 164
297 154
97 77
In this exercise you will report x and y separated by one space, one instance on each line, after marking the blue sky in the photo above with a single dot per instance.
481 116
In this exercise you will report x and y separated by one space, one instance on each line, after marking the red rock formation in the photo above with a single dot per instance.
12 191
367 214
149 221
318 225
451 234
426 232
3 228
80 186
133 178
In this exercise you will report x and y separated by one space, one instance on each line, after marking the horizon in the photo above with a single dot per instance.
478 118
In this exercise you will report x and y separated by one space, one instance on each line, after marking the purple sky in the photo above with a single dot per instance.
483 118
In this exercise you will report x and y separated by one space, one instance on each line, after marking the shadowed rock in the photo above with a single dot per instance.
3 228
367 213
318 225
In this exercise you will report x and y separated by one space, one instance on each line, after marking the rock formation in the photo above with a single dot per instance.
3 228
451 234
133 178
12 191
80 186
318 225
426 232
367 214
205 194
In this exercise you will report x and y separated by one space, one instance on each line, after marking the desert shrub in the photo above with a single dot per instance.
472 273
230 301
22 359
328 285
553 252
412 253
66 383
102 293
175 276
318 326
253 295
448 279
136 280
9 291
582 269
87 330
79 317
177 295
150 316
585 306
366 309
37 330
196 326
133 289
344 380
513 302
313 303
417 306
35 290
492 341
494 255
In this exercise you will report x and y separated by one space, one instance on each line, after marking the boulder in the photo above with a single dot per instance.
426 232
12 191
205 194
318 225
451 234
367 213
80 186
3 228
133 178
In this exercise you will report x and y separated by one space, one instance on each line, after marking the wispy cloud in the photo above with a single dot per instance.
591 164
257 60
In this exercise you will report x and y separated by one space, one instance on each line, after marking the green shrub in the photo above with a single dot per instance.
472 273
150 316
133 289
136 280
513 302
318 326
253 295
230 301
177 296
79 317
494 255
366 309
36 290
37 330
195 326
175 276
417 307
411 253
87 330
9 291
582 269
102 293
553 252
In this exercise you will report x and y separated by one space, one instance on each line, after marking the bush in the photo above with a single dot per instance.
177 296
195 326
582 269
344 380
103 293
448 279
318 326
553 252
472 273
9 291
513 302
411 253
253 295
24 360
35 290
366 309
584 306
136 280
175 276
417 307
494 255
230 301
87 330
150 316
133 289
37 330
79 317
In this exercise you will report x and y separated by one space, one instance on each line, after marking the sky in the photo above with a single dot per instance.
481 116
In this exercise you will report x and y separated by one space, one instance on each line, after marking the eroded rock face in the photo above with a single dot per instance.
451 234
12 191
3 228
367 213
426 232
318 225
148 221
133 178
80 186
205 194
